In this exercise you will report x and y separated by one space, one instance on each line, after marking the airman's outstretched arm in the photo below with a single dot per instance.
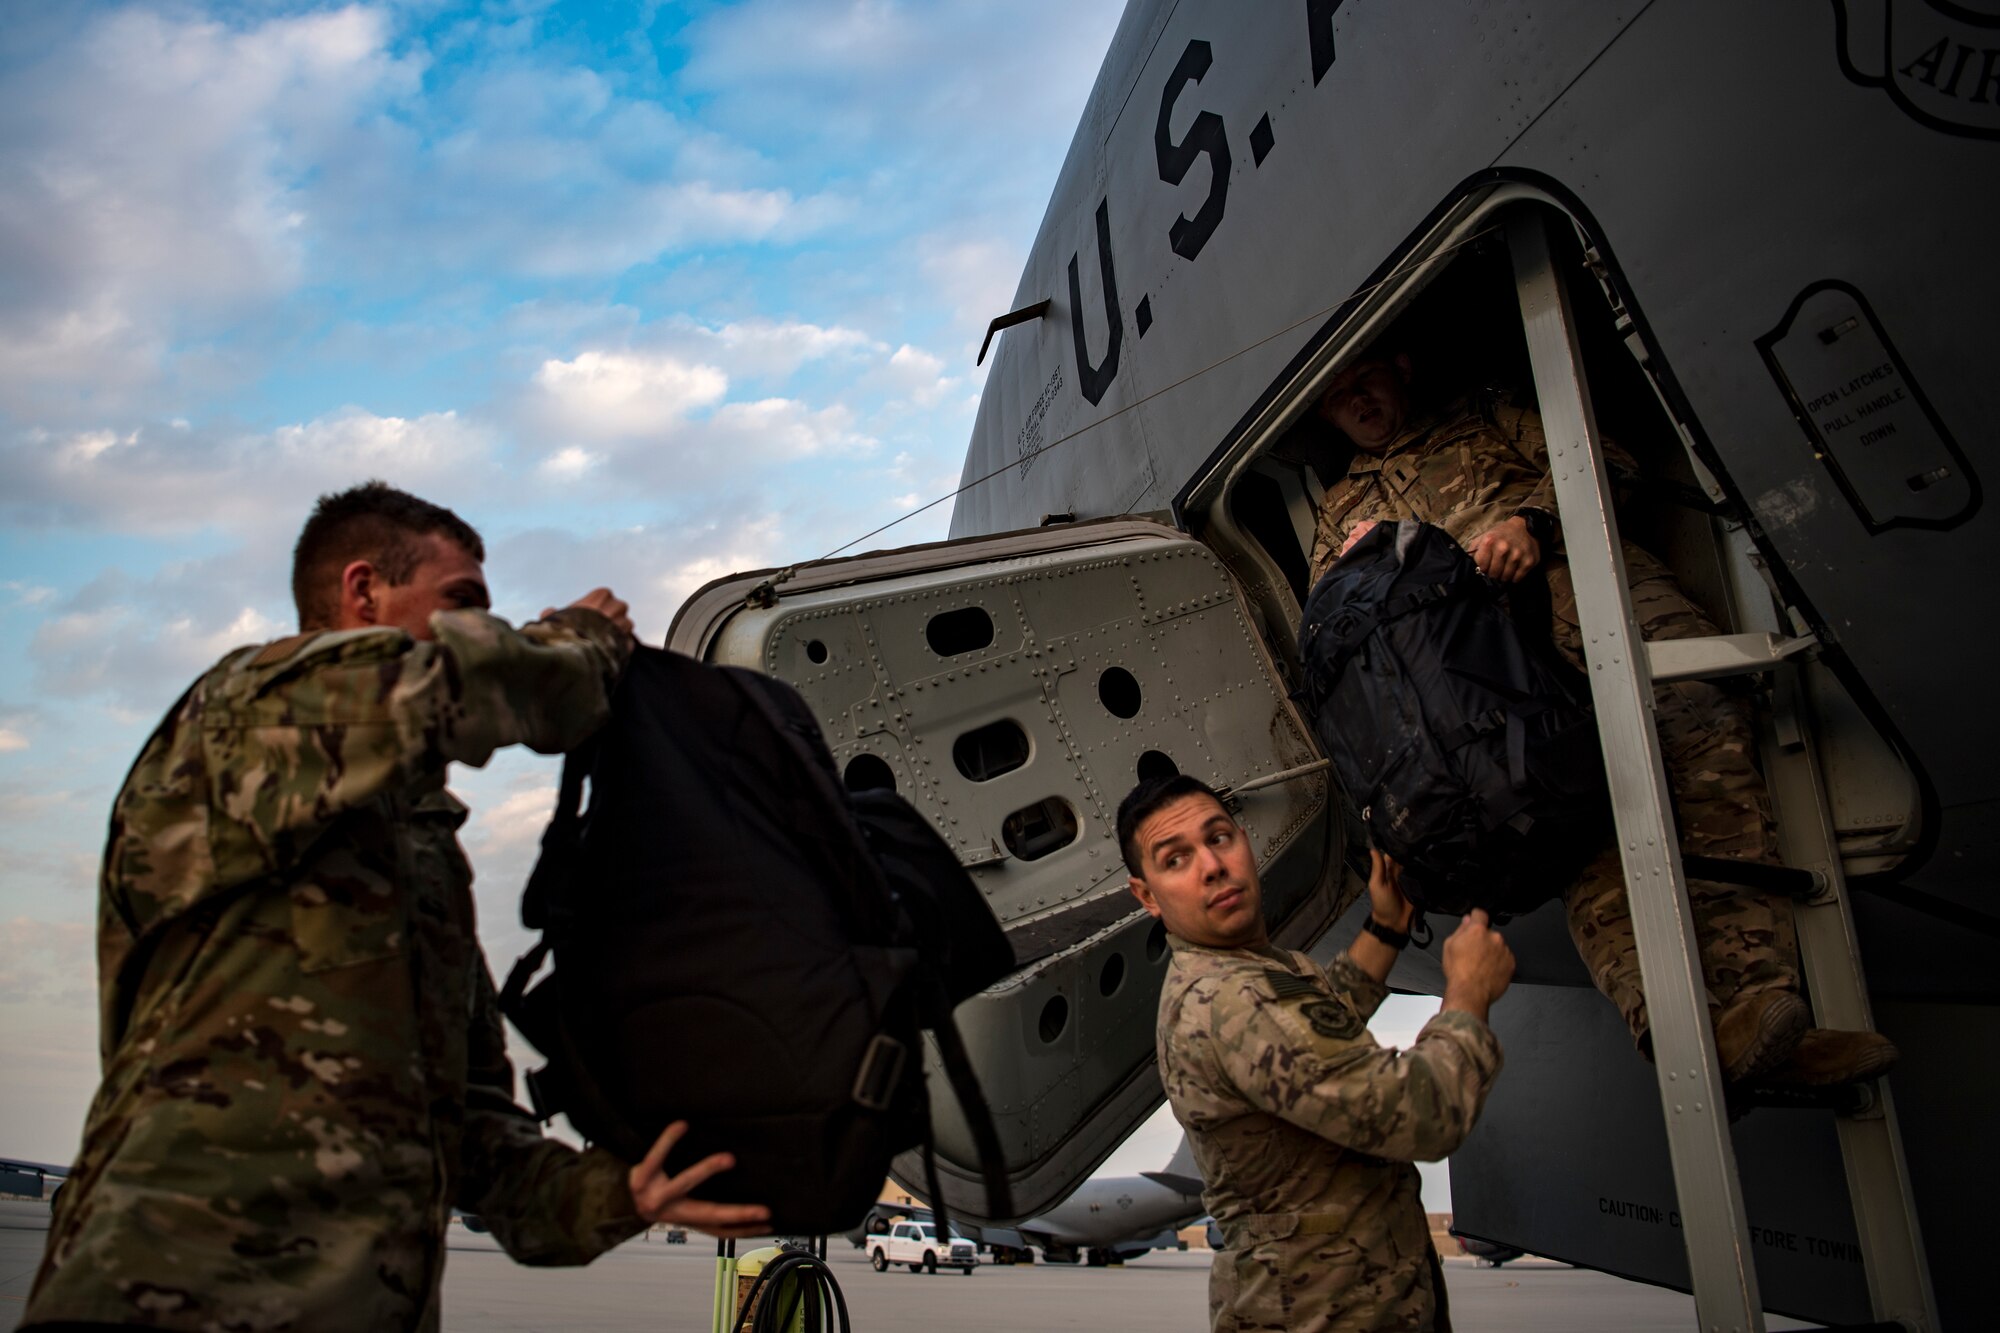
1308 1058
1315 1065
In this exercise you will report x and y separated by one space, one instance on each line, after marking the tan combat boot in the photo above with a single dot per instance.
1757 1033
1831 1058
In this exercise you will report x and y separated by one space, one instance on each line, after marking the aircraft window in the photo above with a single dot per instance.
1118 690
1153 764
1034 831
815 651
1156 943
1055 1017
1113 975
986 753
866 772
962 631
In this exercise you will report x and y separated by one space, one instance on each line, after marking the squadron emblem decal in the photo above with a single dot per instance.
1331 1018
1939 60
1328 1016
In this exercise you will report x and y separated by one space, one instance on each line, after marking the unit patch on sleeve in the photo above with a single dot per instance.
1331 1018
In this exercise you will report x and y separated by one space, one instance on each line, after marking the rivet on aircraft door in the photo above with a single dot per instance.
1865 415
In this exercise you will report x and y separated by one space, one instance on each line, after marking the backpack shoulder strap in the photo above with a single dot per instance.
978 1118
562 842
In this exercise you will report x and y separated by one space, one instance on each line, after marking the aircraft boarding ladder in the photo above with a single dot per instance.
1622 673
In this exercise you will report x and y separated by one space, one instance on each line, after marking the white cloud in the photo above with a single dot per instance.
16 728
174 180
135 642
156 173
614 395
919 376
163 480
569 463
659 420
643 222
916 363
892 70
654 567
141 650
353 440
514 825
914 83
788 429
777 348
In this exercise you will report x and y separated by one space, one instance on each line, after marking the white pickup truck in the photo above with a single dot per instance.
916 1244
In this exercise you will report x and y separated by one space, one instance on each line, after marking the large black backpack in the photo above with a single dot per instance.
742 944
1468 744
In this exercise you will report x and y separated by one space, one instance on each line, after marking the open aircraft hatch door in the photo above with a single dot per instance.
1014 688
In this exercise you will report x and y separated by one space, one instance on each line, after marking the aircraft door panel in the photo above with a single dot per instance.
1014 689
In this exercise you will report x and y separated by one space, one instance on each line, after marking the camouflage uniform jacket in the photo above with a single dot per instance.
304 1068
1467 469
1306 1131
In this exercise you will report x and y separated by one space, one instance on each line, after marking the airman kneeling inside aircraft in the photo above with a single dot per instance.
1305 1130
304 1069
1480 471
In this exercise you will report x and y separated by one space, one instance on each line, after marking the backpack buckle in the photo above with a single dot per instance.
881 1071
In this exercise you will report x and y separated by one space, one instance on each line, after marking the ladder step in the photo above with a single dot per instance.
1802 885
1722 655
1848 1099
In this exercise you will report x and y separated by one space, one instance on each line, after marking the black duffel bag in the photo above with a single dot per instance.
742 944
1469 746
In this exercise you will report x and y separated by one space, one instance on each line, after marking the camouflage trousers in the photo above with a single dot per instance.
1745 938
1327 1284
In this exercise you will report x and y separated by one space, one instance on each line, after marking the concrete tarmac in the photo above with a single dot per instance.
653 1286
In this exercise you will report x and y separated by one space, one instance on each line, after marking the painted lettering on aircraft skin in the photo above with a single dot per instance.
1208 137
1773 1238
1927 67
1029 443
1938 60
1883 392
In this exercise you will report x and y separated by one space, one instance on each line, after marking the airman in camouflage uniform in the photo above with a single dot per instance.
1481 472
1305 1130
304 1067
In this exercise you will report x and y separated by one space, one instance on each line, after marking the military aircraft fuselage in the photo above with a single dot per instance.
1772 225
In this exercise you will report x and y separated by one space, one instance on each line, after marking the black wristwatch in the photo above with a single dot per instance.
1395 939
1541 524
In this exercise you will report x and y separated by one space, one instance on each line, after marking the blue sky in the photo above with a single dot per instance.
649 292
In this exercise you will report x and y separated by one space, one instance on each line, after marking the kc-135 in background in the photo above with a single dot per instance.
1108 1219
1754 244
